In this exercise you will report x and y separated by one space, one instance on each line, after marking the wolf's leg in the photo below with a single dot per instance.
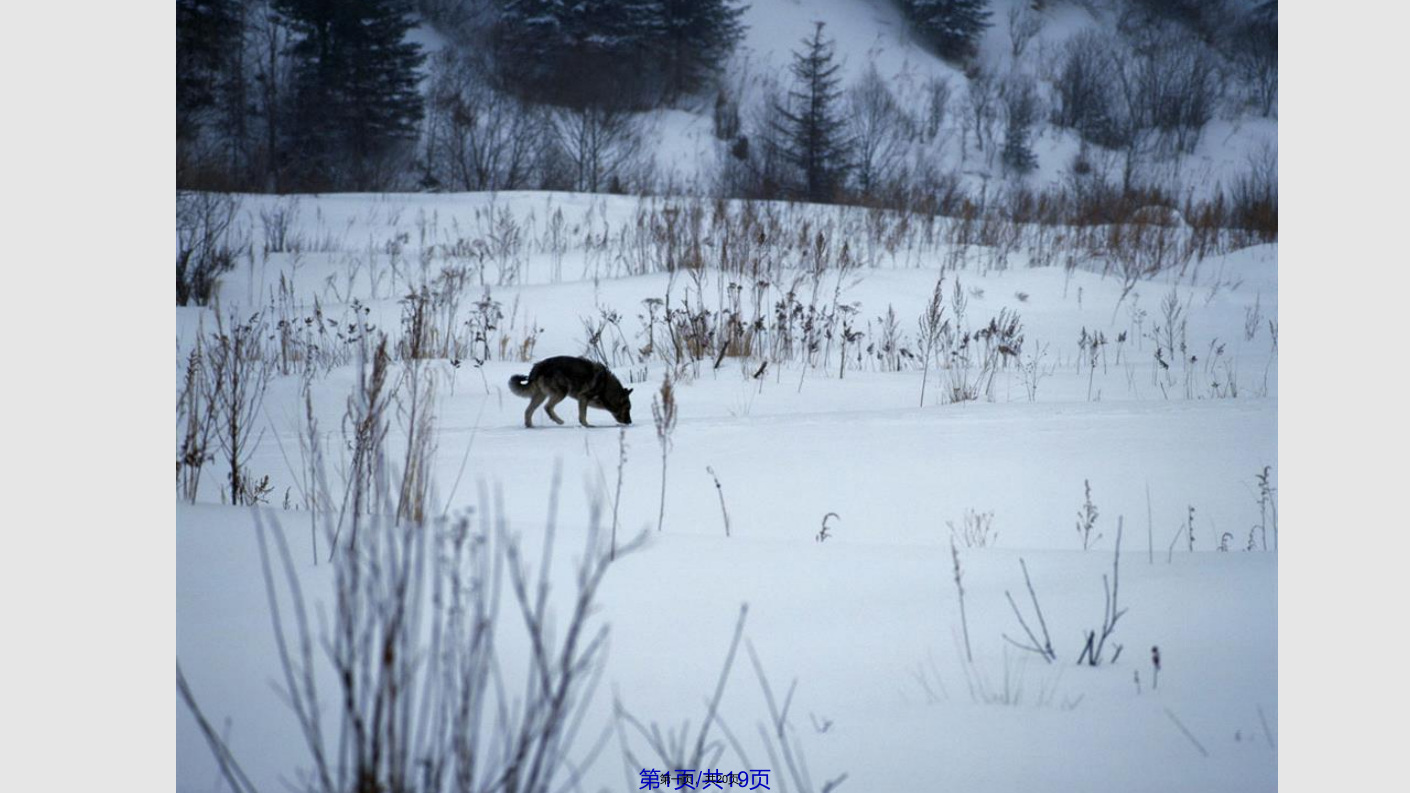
582 412
552 403
534 402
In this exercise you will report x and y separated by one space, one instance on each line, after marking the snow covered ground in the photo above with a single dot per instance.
867 622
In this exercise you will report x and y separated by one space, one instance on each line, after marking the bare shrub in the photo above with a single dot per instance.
1094 651
205 247
1254 196
478 137
278 223
976 529
937 104
1024 23
974 358
1087 99
416 412
365 428
236 376
1173 88
879 130
597 145
681 755
982 110
413 642
422 698
196 420
1254 51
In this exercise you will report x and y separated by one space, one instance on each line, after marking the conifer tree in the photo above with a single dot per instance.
614 52
207 33
696 36
812 135
952 26
355 76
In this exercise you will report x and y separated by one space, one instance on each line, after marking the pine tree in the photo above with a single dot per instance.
813 136
696 36
952 26
580 52
614 52
355 77
207 34
530 33
1020 100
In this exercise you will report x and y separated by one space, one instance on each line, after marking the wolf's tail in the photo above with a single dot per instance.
519 384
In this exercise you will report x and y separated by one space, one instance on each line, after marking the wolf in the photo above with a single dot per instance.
589 382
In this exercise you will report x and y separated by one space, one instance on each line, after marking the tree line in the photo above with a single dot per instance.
316 95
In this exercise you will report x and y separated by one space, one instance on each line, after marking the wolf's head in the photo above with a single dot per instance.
616 400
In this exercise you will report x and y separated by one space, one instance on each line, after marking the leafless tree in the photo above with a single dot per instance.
598 145
1170 87
480 138
982 109
1024 24
880 128
1087 95
767 175
937 103
1254 52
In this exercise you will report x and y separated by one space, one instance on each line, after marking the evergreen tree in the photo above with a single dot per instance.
812 136
952 26
696 36
207 35
1020 100
613 52
581 52
355 77
529 36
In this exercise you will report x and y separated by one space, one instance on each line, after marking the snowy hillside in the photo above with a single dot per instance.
1068 400
873 33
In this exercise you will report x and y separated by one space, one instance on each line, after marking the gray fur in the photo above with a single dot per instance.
554 379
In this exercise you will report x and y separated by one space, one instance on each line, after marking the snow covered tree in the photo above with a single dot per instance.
812 135
355 77
614 52
952 26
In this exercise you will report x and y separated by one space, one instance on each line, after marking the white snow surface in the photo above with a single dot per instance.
860 619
